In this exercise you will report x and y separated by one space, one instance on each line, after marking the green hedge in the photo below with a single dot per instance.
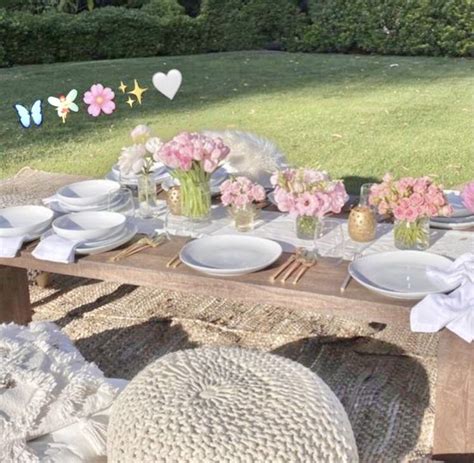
404 27
416 27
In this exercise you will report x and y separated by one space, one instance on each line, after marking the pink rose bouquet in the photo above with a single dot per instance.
467 196
308 192
193 158
241 192
411 201
409 198
308 195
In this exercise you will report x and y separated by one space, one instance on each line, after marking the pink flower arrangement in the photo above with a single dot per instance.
409 199
308 192
100 99
467 196
240 191
189 150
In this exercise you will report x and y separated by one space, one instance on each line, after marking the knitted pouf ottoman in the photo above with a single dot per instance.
228 405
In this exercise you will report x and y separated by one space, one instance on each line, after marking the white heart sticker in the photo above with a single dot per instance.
168 84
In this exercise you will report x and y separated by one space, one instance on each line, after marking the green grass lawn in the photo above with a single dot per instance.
355 116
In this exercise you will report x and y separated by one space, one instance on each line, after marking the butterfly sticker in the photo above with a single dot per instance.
64 104
27 116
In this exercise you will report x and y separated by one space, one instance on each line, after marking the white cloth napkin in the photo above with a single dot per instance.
56 249
454 311
9 246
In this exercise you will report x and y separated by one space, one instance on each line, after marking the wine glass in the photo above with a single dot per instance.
122 201
329 240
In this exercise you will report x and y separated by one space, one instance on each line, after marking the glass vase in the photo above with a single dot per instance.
146 196
306 227
412 235
244 217
195 195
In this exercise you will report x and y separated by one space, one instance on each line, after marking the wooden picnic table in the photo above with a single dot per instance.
318 291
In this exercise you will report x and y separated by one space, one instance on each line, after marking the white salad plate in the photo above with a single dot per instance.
116 203
89 225
401 274
24 220
230 255
456 202
87 193
453 223
88 248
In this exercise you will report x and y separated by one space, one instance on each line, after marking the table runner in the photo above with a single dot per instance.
281 227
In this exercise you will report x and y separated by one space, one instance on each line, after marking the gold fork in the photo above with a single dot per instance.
139 246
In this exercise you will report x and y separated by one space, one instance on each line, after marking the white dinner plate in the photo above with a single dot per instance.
230 255
400 274
159 174
456 202
24 220
87 192
116 204
452 223
89 225
128 233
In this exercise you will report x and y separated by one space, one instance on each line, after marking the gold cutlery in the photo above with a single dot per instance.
292 269
307 264
348 277
282 267
175 261
140 245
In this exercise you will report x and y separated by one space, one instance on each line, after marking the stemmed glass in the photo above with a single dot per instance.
122 201
329 240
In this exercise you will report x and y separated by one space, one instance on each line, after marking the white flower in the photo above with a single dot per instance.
153 146
141 133
132 159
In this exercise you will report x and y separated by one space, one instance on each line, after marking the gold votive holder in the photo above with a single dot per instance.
362 224
173 200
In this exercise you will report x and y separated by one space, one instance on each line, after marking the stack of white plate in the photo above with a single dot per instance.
159 174
461 219
89 195
98 231
28 221
401 274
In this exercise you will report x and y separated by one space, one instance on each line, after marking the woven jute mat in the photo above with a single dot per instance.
383 375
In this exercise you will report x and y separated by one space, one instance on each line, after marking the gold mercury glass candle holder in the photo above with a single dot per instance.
362 224
173 200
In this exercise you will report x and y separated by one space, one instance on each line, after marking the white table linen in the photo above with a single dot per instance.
9 246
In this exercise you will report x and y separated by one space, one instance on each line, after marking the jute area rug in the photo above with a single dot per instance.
383 375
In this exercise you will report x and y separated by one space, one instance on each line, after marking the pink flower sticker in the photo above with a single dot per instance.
100 100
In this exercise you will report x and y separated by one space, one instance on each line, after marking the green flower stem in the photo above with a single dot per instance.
306 227
409 235
195 192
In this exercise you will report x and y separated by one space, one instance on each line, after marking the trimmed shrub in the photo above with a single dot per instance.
406 27
163 8
246 24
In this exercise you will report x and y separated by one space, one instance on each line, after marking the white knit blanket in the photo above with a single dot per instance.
45 386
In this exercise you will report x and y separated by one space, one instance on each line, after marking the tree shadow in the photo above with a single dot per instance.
384 391
79 312
354 182
123 352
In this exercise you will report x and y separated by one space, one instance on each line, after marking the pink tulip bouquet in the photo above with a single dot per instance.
467 196
411 201
308 195
193 157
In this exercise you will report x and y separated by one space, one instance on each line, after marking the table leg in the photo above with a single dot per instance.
454 415
14 296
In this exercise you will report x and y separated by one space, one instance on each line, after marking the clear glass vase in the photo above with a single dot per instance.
244 217
306 227
195 195
146 196
412 235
